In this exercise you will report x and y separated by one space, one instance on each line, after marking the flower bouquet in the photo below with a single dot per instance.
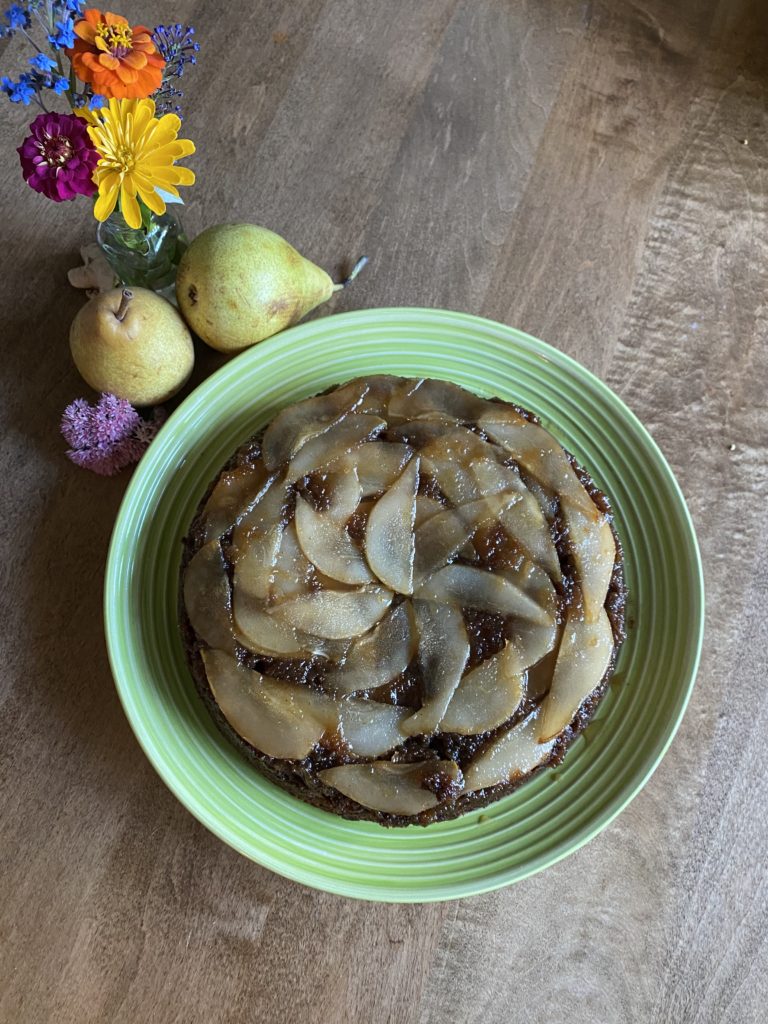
118 143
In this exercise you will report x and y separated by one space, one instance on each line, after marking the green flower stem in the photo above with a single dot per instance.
31 40
146 216
72 91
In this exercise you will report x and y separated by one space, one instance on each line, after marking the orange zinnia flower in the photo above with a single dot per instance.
120 62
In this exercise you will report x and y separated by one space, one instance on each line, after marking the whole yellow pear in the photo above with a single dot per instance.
240 283
133 343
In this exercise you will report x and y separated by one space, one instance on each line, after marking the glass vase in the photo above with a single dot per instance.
146 257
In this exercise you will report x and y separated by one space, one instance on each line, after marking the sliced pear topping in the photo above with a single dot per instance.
280 719
335 614
487 696
255 563
377 464
297 424
323 535
459 445
439 538
328 546
448 458
437 397
524 521
389 540
443 653
369 728
233 494
376 397
262 515
293 573
466 586
207 597
582 661
529 643
418 433
453 479
426 507
378 657
391 788
509 757
589 532
332 444
262 633
325 582
594 553
541 455
534 582
397 401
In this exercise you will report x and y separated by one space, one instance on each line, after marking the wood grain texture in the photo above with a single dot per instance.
592 172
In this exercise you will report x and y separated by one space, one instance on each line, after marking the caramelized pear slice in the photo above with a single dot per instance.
529 643
487 696
440 537
207 597
582 661
233 494
261 516
397 400
376 397
443 653
593 548
297 424
391 788
589 532
426 507
332 444
280 719
335 614
459 445
524 521
255 563
535 582
323 535
389 541
378 657
448 459
369 728
465 586
263 633
440 398
377 465
293 573
541 455
509 757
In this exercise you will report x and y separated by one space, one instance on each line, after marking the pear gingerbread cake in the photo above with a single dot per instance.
401 600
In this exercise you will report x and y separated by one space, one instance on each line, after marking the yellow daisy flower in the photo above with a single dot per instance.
137 151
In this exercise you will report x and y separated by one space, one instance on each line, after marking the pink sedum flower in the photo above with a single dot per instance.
58 158
109 436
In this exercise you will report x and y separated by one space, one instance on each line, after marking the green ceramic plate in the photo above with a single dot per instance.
545 820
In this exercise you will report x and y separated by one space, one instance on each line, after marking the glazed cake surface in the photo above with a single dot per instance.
401 600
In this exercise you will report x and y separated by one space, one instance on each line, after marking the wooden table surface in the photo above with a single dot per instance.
592 172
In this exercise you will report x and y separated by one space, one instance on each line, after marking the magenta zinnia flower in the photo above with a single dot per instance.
58 158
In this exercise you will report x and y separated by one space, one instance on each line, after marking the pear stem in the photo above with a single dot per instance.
355 271
125 298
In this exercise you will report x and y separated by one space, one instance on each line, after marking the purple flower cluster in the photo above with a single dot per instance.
108 436
58 158
176 46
